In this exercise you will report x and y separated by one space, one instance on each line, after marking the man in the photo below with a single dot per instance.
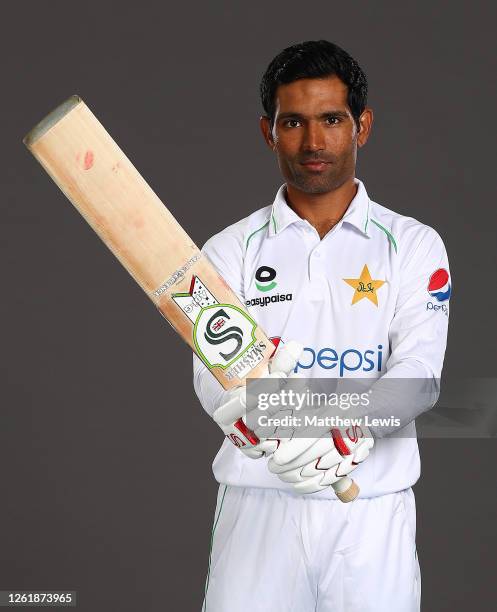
365 293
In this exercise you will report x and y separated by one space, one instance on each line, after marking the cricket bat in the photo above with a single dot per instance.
104 186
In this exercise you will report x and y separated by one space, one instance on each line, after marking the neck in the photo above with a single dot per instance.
322 210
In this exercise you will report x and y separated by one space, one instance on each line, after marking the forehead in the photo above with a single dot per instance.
311 95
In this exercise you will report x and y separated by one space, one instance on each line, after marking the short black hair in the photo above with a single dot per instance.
315 59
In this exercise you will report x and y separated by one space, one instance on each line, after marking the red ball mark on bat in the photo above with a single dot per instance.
89 157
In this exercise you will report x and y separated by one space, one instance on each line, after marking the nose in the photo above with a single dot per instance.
314 139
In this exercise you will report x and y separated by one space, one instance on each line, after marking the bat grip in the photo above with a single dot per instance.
346 489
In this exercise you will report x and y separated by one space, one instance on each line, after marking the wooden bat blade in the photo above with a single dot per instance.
104 186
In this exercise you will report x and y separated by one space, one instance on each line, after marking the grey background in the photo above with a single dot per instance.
104 451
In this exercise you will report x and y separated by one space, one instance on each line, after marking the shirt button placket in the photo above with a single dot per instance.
317 275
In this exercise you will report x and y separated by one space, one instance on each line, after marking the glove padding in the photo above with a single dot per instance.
311 464
231 416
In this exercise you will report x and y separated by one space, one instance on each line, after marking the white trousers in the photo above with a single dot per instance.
273 551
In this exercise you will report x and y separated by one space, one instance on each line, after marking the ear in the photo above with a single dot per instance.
365 123
265 124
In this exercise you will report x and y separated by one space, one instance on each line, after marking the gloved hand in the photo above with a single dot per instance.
231 415
312 464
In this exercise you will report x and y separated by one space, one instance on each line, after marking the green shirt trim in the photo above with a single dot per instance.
204 609
389 235
367 219
253 234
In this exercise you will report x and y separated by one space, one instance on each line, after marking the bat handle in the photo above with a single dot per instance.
346 489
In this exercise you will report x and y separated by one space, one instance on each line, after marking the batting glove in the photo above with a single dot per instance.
312 465
231 416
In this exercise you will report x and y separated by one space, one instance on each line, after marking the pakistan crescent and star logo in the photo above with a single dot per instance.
365 286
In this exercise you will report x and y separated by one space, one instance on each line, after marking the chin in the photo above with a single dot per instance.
315 187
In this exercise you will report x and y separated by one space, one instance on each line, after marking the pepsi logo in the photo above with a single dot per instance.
439 285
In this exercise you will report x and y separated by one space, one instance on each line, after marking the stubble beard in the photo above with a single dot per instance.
339 171
316 183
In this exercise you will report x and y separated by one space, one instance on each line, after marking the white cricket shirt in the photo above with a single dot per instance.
368 300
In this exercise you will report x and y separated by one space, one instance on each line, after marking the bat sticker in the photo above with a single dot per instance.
222 333
198 297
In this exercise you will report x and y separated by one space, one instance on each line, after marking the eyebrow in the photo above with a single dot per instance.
335 113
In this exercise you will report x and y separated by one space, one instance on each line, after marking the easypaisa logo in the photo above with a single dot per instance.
265 281
264 278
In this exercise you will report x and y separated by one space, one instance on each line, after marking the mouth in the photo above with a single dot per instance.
316 165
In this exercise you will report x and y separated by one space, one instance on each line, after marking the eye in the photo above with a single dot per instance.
332 120
292 123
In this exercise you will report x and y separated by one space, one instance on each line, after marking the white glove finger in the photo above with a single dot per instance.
268 446
310 485
346 466
275 468
311 469
278 469
286 357
321 465
232 410
326 464
252 452
330 459
291 476
330 477
310 457
360 453
300 451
